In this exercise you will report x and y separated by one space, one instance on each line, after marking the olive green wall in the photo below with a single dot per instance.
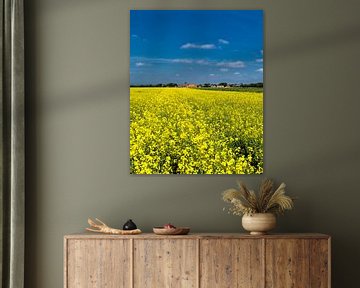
78 128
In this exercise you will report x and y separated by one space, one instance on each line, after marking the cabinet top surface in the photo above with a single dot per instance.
87 235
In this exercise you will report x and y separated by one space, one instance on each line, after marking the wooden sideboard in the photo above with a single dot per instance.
197 260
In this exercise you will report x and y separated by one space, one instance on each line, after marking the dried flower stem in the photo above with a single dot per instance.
245 201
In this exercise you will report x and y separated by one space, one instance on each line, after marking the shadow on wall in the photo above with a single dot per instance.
101 93
314 43
317 214
114 89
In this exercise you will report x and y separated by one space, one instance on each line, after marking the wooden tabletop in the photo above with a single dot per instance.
89 235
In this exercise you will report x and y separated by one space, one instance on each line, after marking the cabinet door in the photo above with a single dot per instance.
98 263
320 263
287 263
165 263
231 263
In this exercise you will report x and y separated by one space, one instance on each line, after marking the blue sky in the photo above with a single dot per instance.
196 46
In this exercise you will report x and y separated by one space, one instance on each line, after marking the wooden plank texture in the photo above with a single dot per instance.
98 264
197 260
319 263
231 263
166 263
89 235
287 263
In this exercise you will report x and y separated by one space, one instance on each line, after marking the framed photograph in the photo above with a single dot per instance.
196 92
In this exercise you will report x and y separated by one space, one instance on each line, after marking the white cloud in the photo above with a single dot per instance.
224 69
144 61
198 46
260 60
134 36
223 41
231 64
202 62
211 75
237 73
186 61
260 70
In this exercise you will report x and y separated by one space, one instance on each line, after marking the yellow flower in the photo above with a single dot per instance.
189 131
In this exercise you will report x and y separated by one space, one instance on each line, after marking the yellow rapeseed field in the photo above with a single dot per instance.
194 131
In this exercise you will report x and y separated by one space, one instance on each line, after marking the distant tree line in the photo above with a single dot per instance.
225 84
206 85
157 85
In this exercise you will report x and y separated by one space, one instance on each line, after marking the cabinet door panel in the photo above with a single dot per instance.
165 263
231 263
98 264
287 263
319 263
